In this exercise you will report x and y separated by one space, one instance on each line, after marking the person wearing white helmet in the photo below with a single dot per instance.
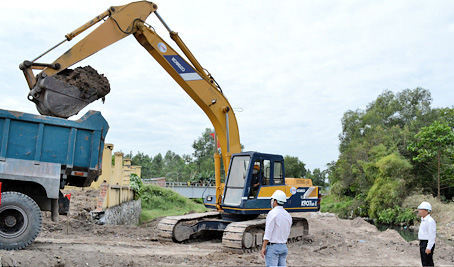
426 234
277 230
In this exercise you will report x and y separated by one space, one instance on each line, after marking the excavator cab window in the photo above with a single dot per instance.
239 169
266 176
278 177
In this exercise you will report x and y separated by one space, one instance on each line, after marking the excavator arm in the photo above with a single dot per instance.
54 97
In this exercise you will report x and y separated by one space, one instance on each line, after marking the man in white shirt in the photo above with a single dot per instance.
426 234
277 230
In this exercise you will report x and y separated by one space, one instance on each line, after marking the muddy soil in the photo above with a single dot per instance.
88 80
75 241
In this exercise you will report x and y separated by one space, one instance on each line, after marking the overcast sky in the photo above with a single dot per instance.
290 69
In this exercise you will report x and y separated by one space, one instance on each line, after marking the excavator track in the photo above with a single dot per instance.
238 237
180 228
247 236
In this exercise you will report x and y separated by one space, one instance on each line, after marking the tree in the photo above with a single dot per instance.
157 165
389 186
383 128
318 177
294 167
433 142
140 159
204 151
174 166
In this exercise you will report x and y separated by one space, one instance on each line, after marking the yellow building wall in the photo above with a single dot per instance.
114 182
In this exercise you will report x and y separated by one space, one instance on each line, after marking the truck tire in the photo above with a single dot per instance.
20 221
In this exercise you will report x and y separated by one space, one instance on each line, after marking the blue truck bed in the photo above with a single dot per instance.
43 143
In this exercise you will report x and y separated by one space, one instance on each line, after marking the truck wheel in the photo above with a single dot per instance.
20 221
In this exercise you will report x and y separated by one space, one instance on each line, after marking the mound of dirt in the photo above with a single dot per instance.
391 234
87 79
359 222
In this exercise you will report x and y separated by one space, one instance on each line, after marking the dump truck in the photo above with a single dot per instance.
39 155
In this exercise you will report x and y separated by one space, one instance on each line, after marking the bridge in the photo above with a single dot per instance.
191 191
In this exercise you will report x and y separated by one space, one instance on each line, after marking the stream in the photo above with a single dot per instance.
407 233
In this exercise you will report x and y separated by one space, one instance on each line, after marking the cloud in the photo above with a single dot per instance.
291 68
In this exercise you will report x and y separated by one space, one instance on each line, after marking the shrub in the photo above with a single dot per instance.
136 185
406 216
384 194
338 205
159 201
397 215
155 197
387 216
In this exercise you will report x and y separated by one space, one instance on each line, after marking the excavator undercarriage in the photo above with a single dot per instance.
238 237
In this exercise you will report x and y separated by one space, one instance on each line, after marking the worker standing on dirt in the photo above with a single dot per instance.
426 234
277 230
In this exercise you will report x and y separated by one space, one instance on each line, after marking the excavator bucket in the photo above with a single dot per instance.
68 92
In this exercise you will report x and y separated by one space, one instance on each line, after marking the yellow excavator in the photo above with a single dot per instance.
252 177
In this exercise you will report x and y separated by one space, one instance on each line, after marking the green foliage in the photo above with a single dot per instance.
156 197
204 149
387 216
137 185
334 204
406 216
433 145
174 167
294 167
431 140
389 185
393 166
397 215
387 150
158 201
318 177
203 177
140 159
385 193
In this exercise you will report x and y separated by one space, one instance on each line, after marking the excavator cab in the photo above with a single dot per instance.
251 180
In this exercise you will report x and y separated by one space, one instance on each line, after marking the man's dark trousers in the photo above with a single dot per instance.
426 259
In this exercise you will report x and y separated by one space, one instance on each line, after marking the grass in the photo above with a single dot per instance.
333 204
158 202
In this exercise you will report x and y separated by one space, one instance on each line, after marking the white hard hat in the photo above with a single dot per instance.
425 206
279 195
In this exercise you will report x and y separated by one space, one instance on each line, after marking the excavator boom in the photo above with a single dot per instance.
55 97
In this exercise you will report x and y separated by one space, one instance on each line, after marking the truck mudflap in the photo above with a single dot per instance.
0 194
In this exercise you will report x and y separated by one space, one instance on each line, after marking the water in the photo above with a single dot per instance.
407 233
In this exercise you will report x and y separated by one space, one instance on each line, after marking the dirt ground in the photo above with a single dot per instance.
75 241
